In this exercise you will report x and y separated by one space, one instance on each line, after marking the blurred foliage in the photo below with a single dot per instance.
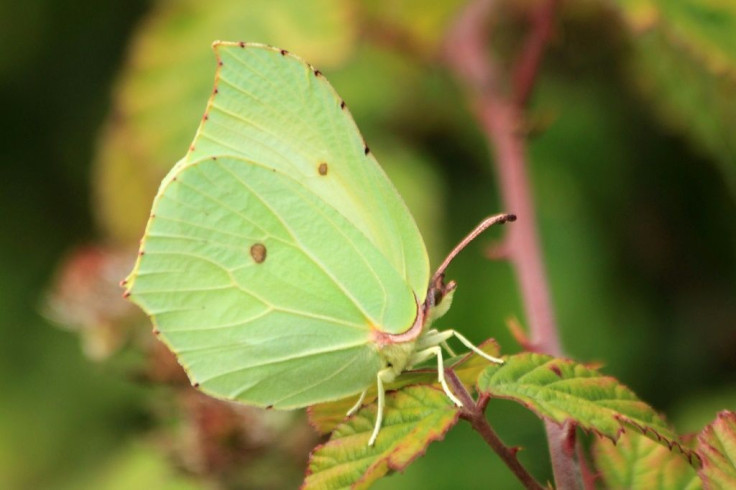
168 76
684 62
632 158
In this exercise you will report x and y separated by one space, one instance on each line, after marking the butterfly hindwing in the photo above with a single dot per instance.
265 292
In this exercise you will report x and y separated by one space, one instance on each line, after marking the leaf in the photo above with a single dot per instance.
685 62
161 94
717 448
324 417
561 390
413 418
417 24
637 462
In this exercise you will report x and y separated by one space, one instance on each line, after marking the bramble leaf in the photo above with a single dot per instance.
413 418
637 462
324 417
561 390
717 448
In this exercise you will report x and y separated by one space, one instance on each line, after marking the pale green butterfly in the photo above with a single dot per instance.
279 263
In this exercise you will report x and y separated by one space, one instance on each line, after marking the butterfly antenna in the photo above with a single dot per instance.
483 226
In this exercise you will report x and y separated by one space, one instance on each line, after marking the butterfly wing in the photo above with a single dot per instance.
264 291
271 107
278 247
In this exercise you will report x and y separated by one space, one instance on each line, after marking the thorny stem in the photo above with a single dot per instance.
500 114
475 414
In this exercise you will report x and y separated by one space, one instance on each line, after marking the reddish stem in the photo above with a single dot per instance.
500 114
500 118
475 414
527 65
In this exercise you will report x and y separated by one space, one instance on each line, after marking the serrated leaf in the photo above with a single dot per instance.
562 390
717 448
161 94
637 462
324 417
413 418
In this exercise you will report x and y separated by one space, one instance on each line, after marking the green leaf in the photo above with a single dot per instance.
637 462
684 60
414 417
324 417
561 390
418 24
717 448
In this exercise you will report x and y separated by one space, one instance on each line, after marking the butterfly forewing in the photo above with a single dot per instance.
274 109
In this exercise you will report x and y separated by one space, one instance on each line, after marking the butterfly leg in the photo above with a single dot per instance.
436 351
358 404
387 375
447 348
470 346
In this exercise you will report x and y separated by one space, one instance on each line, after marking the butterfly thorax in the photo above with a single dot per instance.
397 356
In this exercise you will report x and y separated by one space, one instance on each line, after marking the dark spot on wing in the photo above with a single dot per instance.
284 52
317 73
322 169
241 44
366 150
342 104
556 369
258 252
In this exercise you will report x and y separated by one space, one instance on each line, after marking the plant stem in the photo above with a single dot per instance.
527 65
475 414
500 115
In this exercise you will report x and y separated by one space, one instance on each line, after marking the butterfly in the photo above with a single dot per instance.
279 263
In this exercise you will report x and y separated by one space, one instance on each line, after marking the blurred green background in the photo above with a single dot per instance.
633 162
